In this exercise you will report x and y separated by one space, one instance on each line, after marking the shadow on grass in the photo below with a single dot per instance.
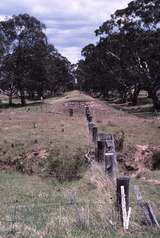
19 105
143 109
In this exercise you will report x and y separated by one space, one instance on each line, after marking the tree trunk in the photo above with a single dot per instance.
31 95
40 93
22 96
51 92
10 100
106 93
150 93
156 105
124 96
135 95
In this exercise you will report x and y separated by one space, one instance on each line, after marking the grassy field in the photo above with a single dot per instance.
34 205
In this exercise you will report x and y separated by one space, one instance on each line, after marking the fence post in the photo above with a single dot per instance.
71 112
89 118
109 159
125 215
90 126
94 134
87 111
110 146
100 150
146 207
122 181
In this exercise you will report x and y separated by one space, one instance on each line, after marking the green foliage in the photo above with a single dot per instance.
30 66
126 58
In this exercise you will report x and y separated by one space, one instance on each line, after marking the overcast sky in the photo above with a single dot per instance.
70 23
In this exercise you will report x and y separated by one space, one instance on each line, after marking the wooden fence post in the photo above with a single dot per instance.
90 126
101 136
147 208
110 165
122 181
94 134
87 114
125 215
89 118
110 145
71 112
87 110
100 150
109 137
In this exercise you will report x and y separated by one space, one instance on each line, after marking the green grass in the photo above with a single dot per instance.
31 206
38 203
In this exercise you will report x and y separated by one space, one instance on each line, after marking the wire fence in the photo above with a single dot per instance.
54 219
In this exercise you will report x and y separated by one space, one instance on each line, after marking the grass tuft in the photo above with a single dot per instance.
65 166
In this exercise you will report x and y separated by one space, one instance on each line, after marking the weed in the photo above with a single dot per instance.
65 166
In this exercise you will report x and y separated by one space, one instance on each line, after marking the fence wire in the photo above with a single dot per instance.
54 219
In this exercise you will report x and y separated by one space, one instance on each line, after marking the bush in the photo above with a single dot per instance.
65 166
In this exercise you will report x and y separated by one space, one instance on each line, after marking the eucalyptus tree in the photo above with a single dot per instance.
99 69
7 82
59 72
127 56
137 27
22 33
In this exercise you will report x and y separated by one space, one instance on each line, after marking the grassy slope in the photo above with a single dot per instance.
46 207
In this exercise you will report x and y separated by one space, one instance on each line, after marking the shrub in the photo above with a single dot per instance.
65 166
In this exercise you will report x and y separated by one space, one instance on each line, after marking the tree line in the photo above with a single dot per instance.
126 58
30 67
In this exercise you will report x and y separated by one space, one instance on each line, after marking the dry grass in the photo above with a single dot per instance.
138 130
34 207
35 129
